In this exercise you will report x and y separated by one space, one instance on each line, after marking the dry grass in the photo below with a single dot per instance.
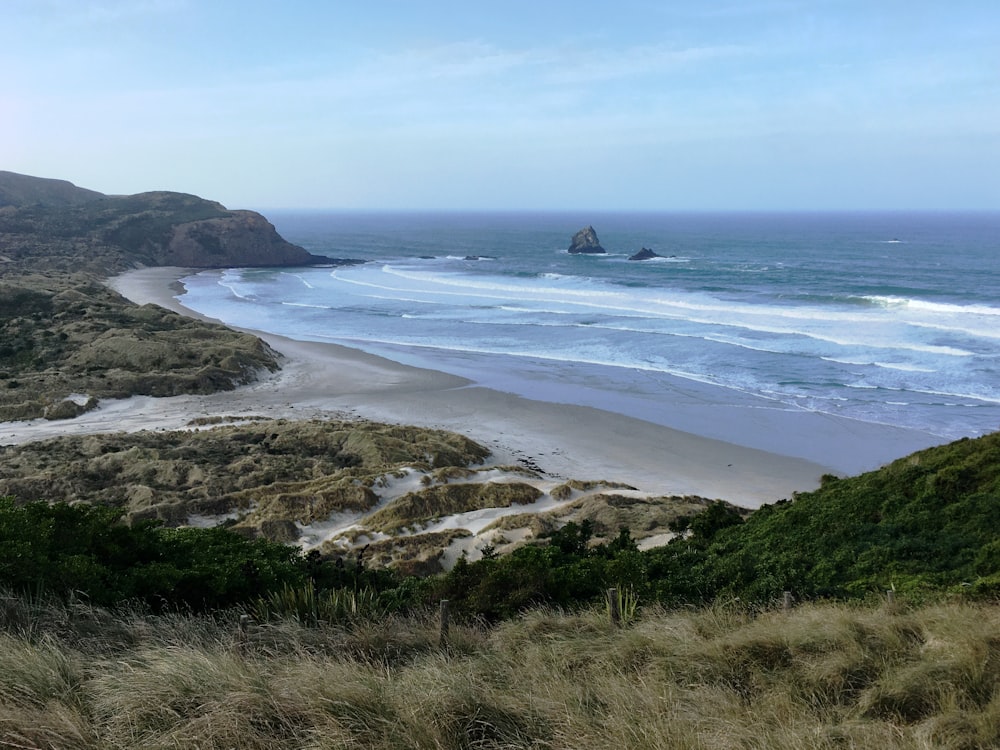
416 508
419 554
820 676
566 490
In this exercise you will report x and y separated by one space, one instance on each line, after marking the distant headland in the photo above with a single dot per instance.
74 227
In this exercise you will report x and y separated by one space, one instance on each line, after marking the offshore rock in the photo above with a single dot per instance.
645 254
585 241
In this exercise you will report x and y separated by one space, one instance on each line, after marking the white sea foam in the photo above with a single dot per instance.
935 307
810 323
306 304
785 320
903 367
300 278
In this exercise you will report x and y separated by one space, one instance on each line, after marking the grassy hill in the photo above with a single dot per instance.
67 341
930 521
24 190
51 225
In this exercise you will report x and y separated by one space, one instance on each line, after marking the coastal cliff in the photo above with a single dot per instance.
68 342
243 238
53 223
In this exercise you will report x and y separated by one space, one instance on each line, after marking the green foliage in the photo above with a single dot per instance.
928 521
923 526
86 549
310 606
566 572
626 604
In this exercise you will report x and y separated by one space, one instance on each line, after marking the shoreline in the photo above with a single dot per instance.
330 381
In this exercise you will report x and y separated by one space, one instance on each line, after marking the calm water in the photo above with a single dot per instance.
889 318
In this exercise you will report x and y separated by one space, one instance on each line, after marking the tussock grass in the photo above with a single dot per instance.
565 490
823 675
415 508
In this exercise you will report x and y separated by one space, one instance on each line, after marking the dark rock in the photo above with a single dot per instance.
645 254
242 238
585 241
328 262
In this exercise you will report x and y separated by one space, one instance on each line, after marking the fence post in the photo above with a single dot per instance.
787 603
445 606
614 608
242 632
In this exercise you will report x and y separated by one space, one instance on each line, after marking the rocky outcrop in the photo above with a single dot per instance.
585 241
242 238
645 254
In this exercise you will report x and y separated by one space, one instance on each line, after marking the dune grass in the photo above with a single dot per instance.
823 675
415 508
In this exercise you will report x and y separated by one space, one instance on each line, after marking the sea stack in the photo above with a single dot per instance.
585 241
645 254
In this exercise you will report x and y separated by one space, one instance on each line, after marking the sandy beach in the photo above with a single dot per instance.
328 381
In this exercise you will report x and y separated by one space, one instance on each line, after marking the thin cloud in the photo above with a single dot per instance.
637 62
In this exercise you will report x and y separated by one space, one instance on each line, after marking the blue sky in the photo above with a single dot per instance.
686 105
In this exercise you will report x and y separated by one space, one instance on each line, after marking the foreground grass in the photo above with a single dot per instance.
820 676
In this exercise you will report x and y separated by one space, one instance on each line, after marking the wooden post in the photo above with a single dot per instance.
614 609
445 605
890 597
244 629
787 603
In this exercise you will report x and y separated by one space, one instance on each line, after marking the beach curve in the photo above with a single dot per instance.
326 381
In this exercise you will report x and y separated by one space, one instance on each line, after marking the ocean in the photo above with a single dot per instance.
892 319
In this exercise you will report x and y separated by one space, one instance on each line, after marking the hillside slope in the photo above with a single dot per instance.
55 225
927 521
67 341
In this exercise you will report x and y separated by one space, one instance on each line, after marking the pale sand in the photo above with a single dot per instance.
329 381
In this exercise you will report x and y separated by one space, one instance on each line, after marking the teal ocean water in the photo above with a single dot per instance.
885 318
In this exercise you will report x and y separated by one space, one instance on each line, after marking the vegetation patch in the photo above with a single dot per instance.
643 516
412 555
73 335
566 490
340 672
269 470
417 508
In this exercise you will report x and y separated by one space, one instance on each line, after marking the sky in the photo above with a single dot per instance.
665 105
